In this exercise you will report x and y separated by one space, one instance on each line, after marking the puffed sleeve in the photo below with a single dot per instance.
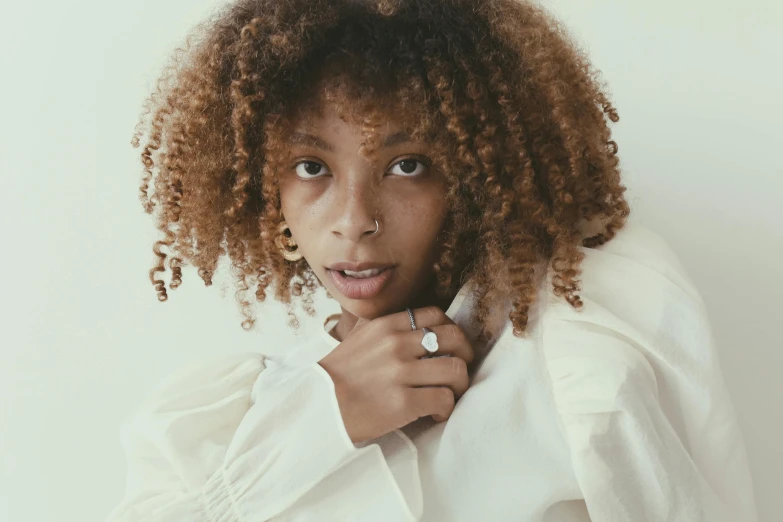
639 390
235 438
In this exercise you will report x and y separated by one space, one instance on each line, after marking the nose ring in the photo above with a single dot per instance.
377 227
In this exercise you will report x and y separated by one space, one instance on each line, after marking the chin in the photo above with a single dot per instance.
367 308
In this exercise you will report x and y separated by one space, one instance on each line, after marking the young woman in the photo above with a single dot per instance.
508 347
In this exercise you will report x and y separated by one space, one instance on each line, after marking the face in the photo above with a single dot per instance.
331 196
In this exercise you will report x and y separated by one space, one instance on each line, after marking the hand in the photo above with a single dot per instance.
381 381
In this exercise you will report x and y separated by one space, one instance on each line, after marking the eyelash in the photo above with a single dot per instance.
422 160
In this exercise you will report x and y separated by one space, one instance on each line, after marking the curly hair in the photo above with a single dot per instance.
515 114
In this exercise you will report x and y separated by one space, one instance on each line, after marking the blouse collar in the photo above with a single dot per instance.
460 311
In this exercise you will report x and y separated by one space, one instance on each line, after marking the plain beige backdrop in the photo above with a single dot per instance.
699 89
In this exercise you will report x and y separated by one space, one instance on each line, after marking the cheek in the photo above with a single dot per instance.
303 207
291 207
420 219
296 201
286 197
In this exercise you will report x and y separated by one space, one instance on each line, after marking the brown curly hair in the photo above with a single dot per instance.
513 109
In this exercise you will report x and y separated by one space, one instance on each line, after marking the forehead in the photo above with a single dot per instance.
329 129
338 104
377 124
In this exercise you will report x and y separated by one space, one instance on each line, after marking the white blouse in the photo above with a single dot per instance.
617 412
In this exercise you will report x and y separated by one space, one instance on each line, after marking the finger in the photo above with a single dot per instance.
451 341
437 401
446 371
428 316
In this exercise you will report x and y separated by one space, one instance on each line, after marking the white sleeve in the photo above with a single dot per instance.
236 439
640 393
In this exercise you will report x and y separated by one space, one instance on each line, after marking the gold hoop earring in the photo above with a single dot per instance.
285 243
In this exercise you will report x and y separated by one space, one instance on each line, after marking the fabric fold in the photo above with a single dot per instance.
243 438
615 411
638 387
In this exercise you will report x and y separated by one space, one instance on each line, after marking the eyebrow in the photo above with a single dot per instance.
303 138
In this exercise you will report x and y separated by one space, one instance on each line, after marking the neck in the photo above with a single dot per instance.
428 297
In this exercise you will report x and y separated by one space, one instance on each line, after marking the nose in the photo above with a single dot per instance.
356 206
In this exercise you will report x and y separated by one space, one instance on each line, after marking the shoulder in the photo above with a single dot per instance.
638 390
634 274
636 327
199 386
637 251
179 430
222 370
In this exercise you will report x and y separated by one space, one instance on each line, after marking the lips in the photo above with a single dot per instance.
360 280
358 267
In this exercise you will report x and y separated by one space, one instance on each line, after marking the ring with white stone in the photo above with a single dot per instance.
429 341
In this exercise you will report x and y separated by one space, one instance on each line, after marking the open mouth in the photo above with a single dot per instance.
361 284
364 274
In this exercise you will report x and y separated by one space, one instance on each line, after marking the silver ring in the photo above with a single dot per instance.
410 316
429 340
377 227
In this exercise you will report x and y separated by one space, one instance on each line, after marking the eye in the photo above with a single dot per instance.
309 169
410 167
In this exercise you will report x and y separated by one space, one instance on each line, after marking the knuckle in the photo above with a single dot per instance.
400 350
445 396
434 314
394 346
454 332
400 401
457 366
396 370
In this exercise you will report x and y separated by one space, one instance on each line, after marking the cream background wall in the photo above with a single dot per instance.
698 88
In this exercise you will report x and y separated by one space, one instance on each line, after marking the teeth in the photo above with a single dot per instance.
364 273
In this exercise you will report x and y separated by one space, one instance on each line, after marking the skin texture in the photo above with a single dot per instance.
516 118
330 199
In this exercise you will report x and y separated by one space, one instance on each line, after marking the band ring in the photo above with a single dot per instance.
429 340
410 316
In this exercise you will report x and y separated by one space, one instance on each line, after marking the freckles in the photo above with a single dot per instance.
420 221
313 219
318 208
418 209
